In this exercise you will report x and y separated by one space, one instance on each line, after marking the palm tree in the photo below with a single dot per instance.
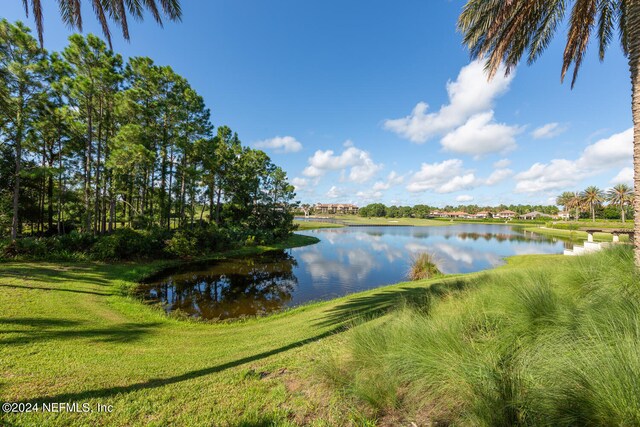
106 10
564 198
575 202
504 30
620 195
592 196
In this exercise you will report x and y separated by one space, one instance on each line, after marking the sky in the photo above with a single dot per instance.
377 101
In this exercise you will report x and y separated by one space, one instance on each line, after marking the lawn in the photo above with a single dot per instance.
574 234
67 334
314 225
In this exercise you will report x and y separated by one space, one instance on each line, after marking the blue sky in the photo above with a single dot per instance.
367 101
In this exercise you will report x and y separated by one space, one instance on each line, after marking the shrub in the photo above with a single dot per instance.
126 243
182 245
423 266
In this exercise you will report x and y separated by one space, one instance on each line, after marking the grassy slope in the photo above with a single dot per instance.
67 335
314 225
575 234
553 344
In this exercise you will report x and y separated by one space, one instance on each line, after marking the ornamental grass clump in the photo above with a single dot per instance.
556 345
423 266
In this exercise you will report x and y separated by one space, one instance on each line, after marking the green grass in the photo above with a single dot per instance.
575 234
314 225
552 345
541 335
67 334
587 223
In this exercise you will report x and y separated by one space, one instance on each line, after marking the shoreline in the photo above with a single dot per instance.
126 344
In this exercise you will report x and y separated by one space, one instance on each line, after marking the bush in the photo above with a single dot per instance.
423 266
126 243
182 245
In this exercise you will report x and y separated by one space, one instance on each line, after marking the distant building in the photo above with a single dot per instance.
564 215
482 215
458 214
535 215
336 208
506 214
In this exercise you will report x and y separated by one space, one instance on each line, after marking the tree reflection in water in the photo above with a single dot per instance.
229 289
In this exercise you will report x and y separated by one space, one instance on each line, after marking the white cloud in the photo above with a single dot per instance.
608 152
547 131
471 93
625 176
457 183
501 164
450 176
281 144
361 167
498 175
481 135
334 192
464 198
614 151
299 183
369 196
392 179
445 177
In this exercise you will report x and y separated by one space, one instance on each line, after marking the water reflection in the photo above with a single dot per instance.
346 260
229 289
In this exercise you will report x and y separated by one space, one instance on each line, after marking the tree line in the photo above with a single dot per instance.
592 199
425 211
93 143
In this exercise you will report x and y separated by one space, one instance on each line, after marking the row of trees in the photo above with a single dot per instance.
91 142
423 211
592 198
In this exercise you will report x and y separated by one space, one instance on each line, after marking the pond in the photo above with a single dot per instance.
346 260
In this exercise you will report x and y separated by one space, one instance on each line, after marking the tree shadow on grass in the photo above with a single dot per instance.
160 382
52 274
42 288
379 303
54 329
38 322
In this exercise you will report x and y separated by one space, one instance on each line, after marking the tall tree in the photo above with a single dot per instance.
564 199
575 202
105 11
93 80
592 196
21 60
620 195
503 31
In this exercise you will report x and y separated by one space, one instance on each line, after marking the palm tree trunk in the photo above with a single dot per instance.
633 17
622 212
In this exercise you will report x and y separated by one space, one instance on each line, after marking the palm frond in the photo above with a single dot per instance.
606 22
105 11
583 16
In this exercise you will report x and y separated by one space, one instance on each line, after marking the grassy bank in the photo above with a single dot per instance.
574 234
68 335
314 225
587 223
554 345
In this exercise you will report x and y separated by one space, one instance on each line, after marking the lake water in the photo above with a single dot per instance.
346 260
